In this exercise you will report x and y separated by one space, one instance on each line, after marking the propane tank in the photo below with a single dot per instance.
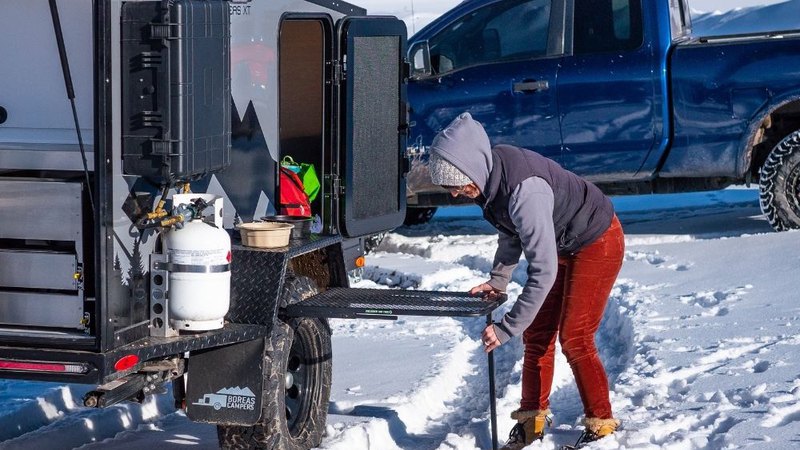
198 263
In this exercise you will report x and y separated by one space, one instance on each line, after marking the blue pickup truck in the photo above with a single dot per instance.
618 91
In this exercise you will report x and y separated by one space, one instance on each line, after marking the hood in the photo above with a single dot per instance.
464 144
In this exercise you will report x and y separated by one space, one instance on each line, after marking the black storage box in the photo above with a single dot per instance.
176 88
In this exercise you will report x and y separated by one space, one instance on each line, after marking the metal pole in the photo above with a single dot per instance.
413 19
492 396
62 54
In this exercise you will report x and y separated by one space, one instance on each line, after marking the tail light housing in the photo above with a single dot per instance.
19 365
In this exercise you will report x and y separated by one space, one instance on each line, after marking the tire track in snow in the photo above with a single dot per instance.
462 414
468 414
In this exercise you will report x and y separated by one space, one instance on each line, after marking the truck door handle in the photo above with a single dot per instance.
530 86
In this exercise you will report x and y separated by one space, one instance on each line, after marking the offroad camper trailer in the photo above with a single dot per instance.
126 126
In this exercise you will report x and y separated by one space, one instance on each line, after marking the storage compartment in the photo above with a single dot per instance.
40 210
176 88
343 109
303 49
41 310
38 269
43 276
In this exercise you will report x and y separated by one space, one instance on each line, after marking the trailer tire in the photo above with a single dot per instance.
297 383
780 184
419 216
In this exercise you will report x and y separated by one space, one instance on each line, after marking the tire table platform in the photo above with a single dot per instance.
348 303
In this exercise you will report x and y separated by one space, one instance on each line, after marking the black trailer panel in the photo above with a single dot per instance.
100 366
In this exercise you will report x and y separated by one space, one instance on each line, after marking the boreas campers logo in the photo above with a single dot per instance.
232 398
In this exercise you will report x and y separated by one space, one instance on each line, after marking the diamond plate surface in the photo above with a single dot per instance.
257 278
352 303
256 282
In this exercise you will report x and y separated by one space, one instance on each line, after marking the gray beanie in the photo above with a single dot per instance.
445 174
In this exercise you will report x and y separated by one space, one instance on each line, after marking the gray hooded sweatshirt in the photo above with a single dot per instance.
464 144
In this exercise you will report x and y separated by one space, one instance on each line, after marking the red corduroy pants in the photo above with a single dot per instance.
572 311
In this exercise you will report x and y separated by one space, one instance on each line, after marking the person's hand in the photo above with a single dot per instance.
489 338
485 291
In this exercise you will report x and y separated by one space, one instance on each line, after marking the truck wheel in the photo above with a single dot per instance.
780 184
372 242
418 216
297 383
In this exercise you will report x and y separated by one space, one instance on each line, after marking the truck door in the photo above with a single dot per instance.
609 92
370 122
497 61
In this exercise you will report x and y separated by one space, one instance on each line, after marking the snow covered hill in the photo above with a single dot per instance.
778 17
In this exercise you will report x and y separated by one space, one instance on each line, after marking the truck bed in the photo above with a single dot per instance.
721 86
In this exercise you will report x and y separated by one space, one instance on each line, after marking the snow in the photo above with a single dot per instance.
699 339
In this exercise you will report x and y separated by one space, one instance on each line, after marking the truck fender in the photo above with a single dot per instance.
753 136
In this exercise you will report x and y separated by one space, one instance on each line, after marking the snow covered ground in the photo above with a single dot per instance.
699 338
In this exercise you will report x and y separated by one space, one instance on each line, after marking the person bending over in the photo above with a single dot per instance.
573 243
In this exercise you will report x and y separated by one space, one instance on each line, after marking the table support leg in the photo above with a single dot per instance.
492 396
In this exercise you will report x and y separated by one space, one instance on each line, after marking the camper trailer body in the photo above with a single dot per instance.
118 108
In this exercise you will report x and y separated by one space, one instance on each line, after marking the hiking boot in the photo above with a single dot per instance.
530 427
599 428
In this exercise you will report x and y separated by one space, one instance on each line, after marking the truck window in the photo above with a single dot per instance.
681 19
502 31
607 26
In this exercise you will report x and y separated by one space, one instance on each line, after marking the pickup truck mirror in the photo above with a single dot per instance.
420 60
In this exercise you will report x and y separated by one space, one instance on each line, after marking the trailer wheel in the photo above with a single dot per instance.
780 184
418 216
297 383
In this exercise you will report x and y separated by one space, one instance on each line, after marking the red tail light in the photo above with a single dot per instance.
126 362
13 365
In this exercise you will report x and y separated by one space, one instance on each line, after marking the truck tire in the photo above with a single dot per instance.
372 242
780 184
418 216
297 383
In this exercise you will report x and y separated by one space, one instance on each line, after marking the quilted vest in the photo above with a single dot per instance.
581 212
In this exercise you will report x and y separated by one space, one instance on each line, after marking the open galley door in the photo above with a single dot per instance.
371 124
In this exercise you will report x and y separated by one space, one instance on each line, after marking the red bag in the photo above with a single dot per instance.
294 200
